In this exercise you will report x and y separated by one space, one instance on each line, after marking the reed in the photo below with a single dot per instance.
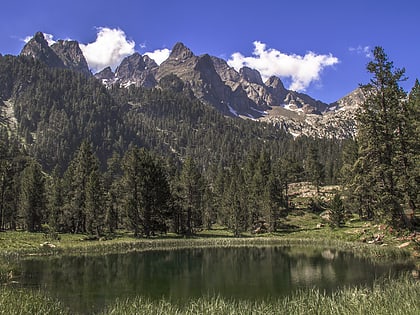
386 296
390 296
16 301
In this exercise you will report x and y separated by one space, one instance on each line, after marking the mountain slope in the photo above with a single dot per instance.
62 54
211 80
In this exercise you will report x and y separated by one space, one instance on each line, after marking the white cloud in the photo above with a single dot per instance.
48 37
109 49
302 70
159 55
362 50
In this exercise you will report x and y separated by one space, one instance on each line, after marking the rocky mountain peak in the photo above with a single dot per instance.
181 52
275 83
136 69
105 74
251 75
129 65
149 62
350 101
40 38
38 48
71 55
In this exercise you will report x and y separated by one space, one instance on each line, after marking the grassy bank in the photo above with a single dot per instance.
398 296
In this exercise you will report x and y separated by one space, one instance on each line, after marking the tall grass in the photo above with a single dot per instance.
26 302
394 297
390 296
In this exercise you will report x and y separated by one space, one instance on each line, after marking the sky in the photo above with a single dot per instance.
319 47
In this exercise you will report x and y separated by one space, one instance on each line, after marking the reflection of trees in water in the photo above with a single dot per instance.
245 272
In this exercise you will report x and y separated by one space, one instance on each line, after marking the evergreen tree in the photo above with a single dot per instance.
112 188
273 201
235 202
381 136
55 201
337 216
409 149
314 168
257 185
75 185
191 195
147 193
32 199
94 204
288 171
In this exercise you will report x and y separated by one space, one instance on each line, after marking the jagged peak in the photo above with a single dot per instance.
275 83
181 51
39 37
37 42
67 43
38 48
251 75
105 73
150 63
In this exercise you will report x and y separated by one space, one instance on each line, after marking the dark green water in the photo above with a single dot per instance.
88 283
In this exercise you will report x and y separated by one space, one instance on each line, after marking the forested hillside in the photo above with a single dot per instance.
66 119
84 158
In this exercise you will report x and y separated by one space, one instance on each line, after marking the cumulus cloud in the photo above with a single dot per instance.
159 55
302 70
109 49
48 37
362 50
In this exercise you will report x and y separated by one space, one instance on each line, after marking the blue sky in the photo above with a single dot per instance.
318 47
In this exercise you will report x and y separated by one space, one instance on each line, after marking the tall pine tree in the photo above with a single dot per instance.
385 138
32 199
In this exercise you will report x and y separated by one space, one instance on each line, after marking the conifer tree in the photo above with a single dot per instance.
314 168
191 184
235 202
94 204
337 216
55 201
32 199
147 193
384 130
113 191
75 184
273 201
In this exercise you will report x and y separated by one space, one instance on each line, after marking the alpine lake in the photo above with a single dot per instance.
88 283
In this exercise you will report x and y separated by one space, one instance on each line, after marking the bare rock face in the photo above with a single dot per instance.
62 54
107 76
251 75
71 55
338 121
137 69
200 75
39 49
214 82
350 101
180 52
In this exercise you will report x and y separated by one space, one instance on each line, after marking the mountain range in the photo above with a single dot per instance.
210 79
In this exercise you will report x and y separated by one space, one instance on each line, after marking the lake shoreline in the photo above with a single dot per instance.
30 244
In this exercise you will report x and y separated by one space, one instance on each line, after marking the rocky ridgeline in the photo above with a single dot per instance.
62 54
235 93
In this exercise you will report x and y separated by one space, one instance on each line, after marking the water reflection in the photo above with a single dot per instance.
88 283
